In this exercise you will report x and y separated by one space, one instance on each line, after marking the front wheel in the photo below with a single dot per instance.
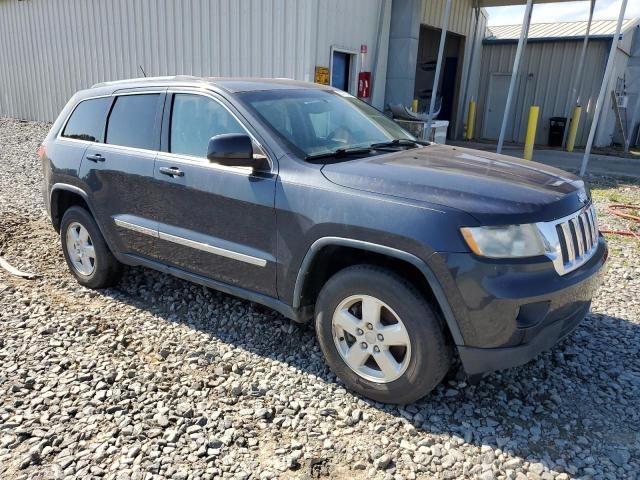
85 250
380 336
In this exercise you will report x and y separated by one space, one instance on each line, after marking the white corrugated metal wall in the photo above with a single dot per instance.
546 75
50 49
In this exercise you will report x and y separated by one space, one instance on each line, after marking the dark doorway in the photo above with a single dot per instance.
340 70
449 85
448 88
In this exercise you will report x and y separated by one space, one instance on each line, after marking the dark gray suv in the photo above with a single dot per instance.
303 198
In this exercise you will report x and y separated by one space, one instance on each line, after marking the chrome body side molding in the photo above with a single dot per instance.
131 223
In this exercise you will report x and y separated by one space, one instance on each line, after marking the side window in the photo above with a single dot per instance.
132 120
87 120
194 120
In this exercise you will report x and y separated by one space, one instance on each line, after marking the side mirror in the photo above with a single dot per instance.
232 150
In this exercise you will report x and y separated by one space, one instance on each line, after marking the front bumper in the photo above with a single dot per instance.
508 312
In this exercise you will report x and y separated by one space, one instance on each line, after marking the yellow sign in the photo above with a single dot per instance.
322 75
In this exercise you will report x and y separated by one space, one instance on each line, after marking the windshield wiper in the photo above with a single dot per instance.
399 142
340 152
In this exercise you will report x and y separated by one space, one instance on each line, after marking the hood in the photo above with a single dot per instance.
495 189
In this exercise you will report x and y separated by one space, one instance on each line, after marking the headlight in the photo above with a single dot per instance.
511 241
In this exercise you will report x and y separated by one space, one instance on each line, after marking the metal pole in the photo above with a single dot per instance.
574 94
471 59
603 89
436 79
514 75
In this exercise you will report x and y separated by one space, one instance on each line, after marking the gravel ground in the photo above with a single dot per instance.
160 378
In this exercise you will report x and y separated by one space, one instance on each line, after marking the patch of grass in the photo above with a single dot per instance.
618 194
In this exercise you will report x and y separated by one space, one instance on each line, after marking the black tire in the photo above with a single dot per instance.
430 356
106 269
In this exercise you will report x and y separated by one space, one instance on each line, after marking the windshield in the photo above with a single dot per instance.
316 122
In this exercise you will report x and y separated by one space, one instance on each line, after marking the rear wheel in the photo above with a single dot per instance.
380 336
85 250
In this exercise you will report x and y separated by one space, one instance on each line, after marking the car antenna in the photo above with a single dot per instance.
143 72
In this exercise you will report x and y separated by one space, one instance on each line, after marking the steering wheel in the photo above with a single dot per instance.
340 135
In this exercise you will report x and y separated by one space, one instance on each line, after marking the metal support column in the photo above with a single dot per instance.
436 78
603 89
474 40
574 94
514 75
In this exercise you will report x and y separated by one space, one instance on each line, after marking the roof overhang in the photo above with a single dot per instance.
504 3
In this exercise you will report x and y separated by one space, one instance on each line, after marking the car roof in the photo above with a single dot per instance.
233 85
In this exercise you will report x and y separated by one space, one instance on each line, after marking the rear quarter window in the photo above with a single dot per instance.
87 120
132 120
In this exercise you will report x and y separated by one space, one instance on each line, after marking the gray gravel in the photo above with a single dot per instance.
160 378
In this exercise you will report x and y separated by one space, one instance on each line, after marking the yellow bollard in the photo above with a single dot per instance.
471 120
534 111
573 128
414 105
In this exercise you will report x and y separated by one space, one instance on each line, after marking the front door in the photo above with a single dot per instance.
119 173
341 70
215 221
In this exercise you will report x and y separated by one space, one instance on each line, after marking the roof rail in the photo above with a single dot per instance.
146 80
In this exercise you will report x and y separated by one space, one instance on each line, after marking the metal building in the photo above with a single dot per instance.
49 50
546 74
415 49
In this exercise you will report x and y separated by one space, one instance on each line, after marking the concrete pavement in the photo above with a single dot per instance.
598 164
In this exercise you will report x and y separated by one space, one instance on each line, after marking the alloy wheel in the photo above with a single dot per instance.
371 338
80 249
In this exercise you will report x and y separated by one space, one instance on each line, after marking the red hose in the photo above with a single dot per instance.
614 209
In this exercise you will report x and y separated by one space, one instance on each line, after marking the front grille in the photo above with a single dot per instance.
577 239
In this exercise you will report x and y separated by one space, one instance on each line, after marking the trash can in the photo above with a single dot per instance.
556 131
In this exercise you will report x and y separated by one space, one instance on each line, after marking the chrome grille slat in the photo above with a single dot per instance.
586 232
594 224
568 240
574 239
577 231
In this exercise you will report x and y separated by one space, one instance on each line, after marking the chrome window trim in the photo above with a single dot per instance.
552 241
203 160
189 159
59 136
113 146
205 247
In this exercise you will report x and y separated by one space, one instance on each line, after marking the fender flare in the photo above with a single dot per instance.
68 188
79 191
421 265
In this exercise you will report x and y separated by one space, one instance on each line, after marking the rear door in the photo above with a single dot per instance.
119 172
216 221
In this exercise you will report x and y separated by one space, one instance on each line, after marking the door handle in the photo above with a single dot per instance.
96 158
171 171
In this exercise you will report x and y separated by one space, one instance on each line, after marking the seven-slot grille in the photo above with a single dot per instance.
578 237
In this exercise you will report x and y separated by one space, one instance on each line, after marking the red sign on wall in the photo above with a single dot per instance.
364 84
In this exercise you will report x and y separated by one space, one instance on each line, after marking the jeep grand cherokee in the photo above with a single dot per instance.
307 200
